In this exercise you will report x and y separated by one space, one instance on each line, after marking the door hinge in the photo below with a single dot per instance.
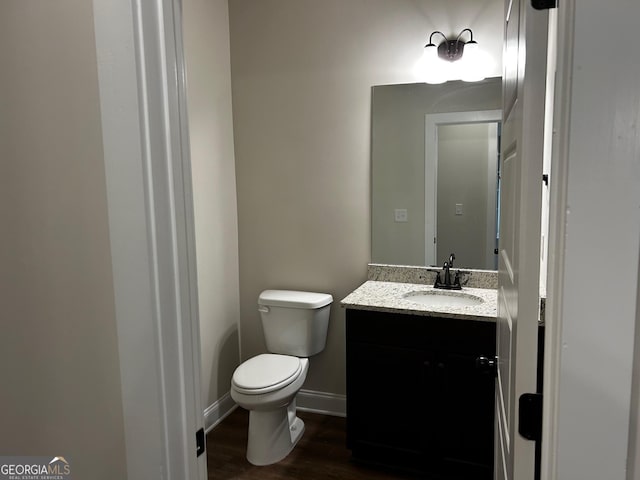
200 443
530 416
544 4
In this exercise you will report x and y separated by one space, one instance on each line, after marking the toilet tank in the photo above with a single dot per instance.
294 323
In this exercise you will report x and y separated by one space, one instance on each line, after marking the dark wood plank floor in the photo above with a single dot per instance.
320 454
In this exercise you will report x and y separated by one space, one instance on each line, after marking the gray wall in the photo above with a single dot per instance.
398 158
206 45
59 353
302 73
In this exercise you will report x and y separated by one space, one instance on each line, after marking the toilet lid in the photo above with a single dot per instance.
265 373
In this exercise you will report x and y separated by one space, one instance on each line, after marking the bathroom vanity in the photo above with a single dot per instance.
420 384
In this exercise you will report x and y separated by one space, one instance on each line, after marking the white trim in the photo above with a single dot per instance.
588 391
633 461
144 429
491 259
507 264
502 418
504 455
218 411
141 78
556 241
322 402
430 177
431 123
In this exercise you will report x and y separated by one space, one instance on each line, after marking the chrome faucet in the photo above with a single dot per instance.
446 270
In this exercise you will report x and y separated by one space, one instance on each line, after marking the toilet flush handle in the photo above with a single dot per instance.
263 309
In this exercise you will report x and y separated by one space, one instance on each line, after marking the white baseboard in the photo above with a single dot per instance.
322 402
216 412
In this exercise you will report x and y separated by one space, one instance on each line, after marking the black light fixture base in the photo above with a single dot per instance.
451 50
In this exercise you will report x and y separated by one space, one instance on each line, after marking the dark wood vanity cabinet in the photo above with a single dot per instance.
415 398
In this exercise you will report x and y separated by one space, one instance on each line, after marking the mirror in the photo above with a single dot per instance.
434 173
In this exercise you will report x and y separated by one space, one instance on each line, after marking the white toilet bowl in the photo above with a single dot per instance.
294 324
267 385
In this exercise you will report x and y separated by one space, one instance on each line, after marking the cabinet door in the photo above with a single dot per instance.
467 417
387 404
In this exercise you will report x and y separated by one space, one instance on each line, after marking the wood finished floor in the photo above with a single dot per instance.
320 454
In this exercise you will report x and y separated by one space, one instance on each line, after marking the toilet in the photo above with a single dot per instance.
295 327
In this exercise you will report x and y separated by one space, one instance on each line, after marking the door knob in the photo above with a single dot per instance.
488 365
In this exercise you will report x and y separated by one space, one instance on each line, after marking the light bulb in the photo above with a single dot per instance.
471 65
431 67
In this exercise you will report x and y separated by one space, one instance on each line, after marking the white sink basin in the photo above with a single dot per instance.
443 298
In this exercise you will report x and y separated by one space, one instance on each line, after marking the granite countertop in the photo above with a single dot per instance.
390 297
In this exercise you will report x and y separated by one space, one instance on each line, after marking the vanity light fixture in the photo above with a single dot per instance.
451 60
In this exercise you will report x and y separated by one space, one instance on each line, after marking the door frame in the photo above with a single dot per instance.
149 197
431 123
573 323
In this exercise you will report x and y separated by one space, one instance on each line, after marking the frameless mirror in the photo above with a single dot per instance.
434 173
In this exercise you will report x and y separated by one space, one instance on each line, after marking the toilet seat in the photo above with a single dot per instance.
265 373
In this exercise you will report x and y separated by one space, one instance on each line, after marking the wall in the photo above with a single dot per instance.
206 46
302 73
398 158
463 166
59 352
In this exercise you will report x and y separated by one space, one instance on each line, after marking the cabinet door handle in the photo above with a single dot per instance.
488 365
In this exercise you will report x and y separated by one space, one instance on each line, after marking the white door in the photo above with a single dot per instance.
519 261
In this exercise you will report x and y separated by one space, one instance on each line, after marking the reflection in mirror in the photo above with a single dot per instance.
417 195
464 161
